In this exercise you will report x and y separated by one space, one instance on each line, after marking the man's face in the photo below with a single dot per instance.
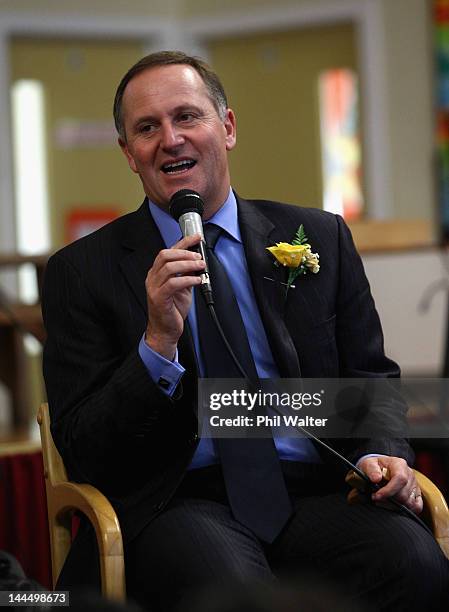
174 136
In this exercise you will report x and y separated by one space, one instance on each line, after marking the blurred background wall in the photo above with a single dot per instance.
78 77
270 56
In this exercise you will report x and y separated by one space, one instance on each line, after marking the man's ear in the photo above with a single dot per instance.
231 129
127 154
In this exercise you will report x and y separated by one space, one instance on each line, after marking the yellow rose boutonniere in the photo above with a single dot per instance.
290 255
297 256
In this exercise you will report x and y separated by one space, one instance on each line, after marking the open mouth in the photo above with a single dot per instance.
179 166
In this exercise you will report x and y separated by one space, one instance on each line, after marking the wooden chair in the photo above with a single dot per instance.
63 497
435 512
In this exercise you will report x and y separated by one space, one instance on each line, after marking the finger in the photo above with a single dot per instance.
414 494
167 255
401 481
179 251
165 269
416 502
412 499
173 285
372 469
176 268
400 485
407 494
187 242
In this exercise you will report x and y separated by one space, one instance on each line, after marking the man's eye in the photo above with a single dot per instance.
147 128
186 117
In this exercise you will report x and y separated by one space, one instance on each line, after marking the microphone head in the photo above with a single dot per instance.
184 201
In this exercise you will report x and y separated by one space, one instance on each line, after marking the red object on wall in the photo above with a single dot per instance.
23 514
84 221
430 464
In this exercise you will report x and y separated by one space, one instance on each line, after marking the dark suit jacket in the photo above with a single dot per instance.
113 426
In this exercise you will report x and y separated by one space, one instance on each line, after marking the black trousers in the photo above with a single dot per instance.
378 557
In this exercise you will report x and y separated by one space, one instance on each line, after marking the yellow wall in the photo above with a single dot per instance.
410 89
148 8
272 84
190 8
80 78
90 7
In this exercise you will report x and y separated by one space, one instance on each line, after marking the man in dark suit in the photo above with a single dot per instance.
123 358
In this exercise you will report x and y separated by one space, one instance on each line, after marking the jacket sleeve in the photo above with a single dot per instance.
383 428
107 414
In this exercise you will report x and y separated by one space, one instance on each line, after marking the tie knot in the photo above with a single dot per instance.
212 233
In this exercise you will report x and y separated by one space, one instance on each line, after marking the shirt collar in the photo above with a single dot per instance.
226 217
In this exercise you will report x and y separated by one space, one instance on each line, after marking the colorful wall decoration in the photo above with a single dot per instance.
340 143
441 19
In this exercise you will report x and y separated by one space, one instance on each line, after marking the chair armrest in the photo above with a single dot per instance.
435 512
85 498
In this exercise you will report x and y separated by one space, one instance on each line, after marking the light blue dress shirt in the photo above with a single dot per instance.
229 249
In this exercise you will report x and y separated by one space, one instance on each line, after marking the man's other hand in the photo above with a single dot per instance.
402 485
169 294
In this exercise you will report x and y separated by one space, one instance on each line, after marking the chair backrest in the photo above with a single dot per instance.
63 497
54 469
54 474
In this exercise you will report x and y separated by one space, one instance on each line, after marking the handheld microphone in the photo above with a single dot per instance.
186 206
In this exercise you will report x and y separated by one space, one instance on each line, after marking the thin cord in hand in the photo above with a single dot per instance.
372 486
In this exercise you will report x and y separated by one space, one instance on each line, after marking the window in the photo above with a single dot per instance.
30 171
340 145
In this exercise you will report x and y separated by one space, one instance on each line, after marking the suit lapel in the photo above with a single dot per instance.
142 242
258 232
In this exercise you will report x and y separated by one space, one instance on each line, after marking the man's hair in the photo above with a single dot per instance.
167 58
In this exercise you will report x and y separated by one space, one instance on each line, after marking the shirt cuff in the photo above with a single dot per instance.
166 374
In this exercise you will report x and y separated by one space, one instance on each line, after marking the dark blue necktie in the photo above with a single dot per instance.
254 481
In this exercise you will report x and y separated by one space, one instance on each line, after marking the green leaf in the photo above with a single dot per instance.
293 275
300 236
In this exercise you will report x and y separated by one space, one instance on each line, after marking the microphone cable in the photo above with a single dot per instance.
371 487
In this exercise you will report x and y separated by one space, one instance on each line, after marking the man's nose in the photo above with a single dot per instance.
171 136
